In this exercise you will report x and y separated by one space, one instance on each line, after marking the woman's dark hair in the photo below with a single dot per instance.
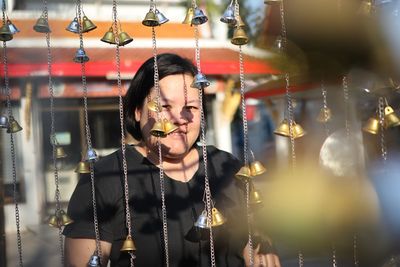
141 84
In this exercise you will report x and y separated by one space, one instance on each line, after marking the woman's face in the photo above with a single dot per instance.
181 106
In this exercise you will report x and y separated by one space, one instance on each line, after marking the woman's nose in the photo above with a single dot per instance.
179 116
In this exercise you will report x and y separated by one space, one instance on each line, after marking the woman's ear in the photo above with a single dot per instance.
138 114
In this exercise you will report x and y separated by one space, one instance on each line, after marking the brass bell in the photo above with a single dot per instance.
189 16
91 155
53 221
64 218
202 221
73 26
83 167
12 27
13 126
150 20
298 131
239 37
324 115
200 81
153 106
80 56
256 168
42 25
372 126
229 15
128 245
109 37
244 173
240 23
161 18
391 119
199 17
124 39
3 122
5 33
158 130
217 218
254 196
283 129
94 261
60 153
87 25
169 127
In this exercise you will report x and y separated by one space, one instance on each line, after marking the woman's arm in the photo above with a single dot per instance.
78 251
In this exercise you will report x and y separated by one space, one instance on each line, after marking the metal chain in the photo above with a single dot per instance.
301 258
346 105
290 120
355 250
197 49
381 111
3 9
325 107
334 261
283 26
87 132
12 148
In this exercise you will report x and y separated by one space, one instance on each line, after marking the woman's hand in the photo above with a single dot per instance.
267 258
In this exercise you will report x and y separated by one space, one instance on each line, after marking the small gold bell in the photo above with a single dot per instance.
124 39
42 25
298 131
189 16
53 221
239 37
60 153
64 218
202 222
153 106
5 33
256 168
169 127
13 126
128 245
324 115
240 23
254 196
244 173
83 167
283 129
88 25
109 37
150 19
372 126
158 130
391 119
217 218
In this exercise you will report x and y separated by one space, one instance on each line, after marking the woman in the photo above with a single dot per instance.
184 183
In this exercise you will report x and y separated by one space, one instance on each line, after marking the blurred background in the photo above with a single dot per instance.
340 206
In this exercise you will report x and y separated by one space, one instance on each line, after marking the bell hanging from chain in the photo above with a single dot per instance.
91 155
64 218
53 221
128 245
13 126
283 129
324 115
5 33
239 36
109 37
372 126
243 174
298 131
200 81
80 56
199 17
12 27
257 168
3 122
161 18
217 218
254 196
73 26
202 221
60 152
391 119
229 15
158 130
124 39
189 16
94 261
150 20
82 167
42 25
169 127
153 106
240 23
87 25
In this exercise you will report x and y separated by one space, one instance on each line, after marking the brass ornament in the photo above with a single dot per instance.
42 25
257 168
298 131
153 106
63 218
244 173
80 56
87 25
217 218
283 129
254 196
199 17
60 153
158 130
151 19
372 126
200 81
53 221
239 36
128 245
324 115
391 119
13 126
5 33
240 23
189 16
169 127
82 167
109 37
124 39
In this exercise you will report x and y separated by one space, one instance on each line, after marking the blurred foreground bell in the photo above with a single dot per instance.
83 167
199 17
3 122
92 155
391 119
87 25
372 126
124 39
239 37
60 152
109 37
64 218
298 131
53 221
189 16
158 130
12 27
256 168
42 25
283 129
161 18
217 218
255 196
153 106
128 245
169 127
244 173
200 81
94 261
73 26
229 15
324 115
202 222
150 20
5 33
13 126
80 56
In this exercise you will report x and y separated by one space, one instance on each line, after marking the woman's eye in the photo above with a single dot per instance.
191 107
167 107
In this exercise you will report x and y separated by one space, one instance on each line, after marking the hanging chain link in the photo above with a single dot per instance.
325 108
355 251
334 260
381 111
300 258
283 26
346 105
87 133
291 122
